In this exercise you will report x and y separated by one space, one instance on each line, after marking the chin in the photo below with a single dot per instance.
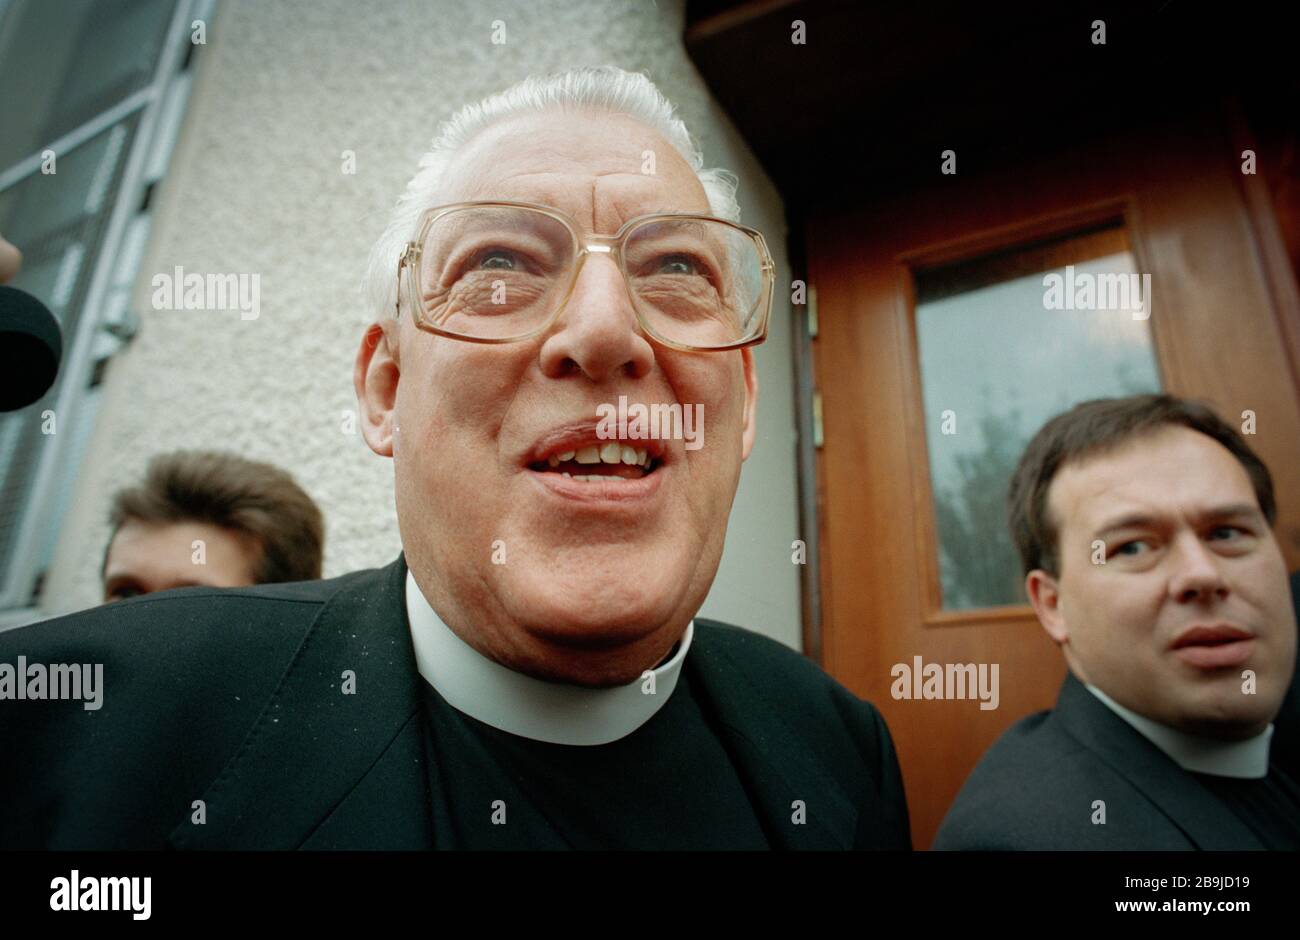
1227 717
591 671
1227 729
599 615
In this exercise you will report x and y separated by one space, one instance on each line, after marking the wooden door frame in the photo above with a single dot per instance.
1270 254
1120 209
1173 208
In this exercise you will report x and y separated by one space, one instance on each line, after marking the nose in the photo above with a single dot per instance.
597 332
1197 577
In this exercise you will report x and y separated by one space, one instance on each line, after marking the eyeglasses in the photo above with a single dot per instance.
501 272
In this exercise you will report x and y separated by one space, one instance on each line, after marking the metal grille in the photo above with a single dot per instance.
83 74
57 264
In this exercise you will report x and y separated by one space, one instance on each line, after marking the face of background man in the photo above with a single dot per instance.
145 557
594 589
1186 547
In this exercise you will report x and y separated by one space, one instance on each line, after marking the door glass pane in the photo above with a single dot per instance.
1006 341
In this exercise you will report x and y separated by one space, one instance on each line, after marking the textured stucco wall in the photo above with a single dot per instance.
256 186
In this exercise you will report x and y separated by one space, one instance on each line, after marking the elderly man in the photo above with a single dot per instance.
530 673
1145 528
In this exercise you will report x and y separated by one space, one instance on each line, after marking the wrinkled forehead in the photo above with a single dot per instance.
1170 472
600 168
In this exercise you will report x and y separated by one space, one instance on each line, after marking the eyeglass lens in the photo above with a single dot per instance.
499 272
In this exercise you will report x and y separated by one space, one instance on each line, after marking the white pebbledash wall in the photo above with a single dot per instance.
256 185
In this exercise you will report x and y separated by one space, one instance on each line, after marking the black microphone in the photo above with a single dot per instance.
31 346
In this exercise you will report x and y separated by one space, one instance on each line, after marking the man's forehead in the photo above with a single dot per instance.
140 547
1155 474
574 163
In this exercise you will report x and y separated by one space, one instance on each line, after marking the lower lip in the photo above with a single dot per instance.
1216 657
611 495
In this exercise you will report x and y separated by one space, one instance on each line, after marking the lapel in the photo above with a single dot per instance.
1206 822
775 765
313 745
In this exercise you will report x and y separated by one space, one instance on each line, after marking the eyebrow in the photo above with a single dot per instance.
1137 520
698 213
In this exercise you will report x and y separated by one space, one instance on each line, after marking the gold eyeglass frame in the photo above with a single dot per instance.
583 246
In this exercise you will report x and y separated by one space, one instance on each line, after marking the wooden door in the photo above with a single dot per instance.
1222 327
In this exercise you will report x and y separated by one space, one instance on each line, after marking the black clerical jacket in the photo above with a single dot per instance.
287 717
1285 745
1039 786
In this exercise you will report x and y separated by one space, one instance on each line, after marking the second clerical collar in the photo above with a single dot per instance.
510 701
1246 760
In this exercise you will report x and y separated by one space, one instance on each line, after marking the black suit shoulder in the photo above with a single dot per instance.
1284 749
779 673
185 675
1036 789
842 730
790 682
760 655
200 634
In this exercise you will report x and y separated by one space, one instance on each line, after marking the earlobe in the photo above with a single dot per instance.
375 378
749 429
1045 596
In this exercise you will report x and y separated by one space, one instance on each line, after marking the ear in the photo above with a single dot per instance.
375 376
1045 596
750 428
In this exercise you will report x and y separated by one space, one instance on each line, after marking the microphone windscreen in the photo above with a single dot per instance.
31 346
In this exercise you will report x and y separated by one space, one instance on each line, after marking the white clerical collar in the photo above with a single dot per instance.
1247 760
554 712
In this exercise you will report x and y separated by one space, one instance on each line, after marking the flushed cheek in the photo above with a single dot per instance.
468 381
1108 616
717 432
1264 589
1138 614
711 481
447 468
453 412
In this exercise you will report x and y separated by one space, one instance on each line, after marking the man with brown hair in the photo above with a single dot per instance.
212 520
1145 528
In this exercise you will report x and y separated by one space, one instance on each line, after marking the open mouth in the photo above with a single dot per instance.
609 462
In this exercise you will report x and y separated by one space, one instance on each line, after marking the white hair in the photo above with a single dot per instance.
605 88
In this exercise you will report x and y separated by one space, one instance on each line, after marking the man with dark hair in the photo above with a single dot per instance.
212 520
1145 528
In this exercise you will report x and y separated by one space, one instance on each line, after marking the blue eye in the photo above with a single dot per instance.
678 264
1130 548
498 259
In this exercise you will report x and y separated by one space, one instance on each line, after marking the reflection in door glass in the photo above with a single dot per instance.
1006 342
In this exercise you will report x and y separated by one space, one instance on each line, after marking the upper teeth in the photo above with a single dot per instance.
613 452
